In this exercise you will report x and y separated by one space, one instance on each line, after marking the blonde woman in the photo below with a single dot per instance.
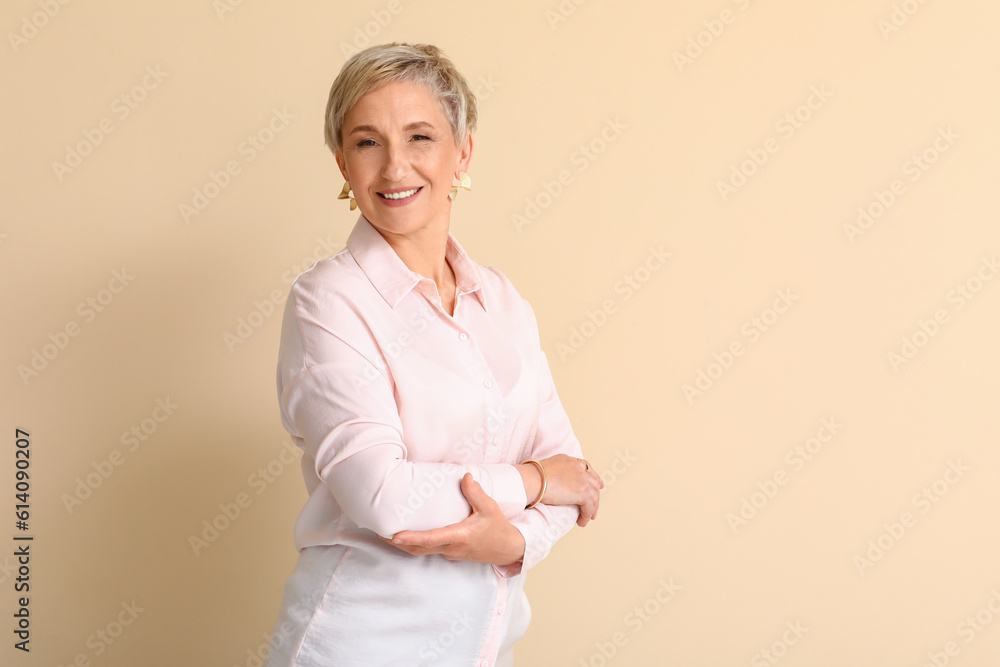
440 464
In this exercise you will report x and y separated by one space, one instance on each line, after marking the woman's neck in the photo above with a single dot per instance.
424 252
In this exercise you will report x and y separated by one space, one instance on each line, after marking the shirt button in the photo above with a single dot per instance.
462 336
496 441
500 610
487 383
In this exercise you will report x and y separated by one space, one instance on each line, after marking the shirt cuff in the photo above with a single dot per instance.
541 528
505 487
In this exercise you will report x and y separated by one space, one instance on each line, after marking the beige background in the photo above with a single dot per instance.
662 134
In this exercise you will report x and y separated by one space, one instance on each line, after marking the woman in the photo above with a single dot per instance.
439 461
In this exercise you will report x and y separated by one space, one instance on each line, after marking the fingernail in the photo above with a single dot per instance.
397 541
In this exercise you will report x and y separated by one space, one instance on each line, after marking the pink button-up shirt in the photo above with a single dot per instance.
392 401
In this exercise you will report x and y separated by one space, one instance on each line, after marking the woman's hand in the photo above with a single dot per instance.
571 482
485 537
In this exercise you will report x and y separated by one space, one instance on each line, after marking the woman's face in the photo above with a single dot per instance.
400 156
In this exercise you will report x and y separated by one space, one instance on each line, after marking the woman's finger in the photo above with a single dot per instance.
479 500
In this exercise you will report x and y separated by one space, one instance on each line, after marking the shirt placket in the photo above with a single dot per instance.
494 427
491 647
493 449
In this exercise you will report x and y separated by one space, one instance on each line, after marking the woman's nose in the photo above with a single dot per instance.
396 164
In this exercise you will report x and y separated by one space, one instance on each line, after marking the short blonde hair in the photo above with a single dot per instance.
381 64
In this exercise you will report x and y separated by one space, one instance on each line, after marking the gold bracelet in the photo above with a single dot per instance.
545 482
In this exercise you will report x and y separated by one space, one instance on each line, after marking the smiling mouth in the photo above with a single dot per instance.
402 194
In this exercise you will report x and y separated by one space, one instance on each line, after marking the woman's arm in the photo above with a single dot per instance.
545 524
340 408
486 536
537 529
356 441
568 481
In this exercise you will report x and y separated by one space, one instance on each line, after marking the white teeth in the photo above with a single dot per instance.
400 195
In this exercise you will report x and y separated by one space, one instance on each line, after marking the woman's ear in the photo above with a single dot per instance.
465 154
339 156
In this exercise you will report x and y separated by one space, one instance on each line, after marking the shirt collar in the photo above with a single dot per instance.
391 277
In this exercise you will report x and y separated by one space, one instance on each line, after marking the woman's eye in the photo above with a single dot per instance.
364 143
421 137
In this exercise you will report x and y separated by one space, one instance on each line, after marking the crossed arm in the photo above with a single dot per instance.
345 413
355 440
487 536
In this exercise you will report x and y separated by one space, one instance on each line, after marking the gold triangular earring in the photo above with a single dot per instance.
464 182
346 194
